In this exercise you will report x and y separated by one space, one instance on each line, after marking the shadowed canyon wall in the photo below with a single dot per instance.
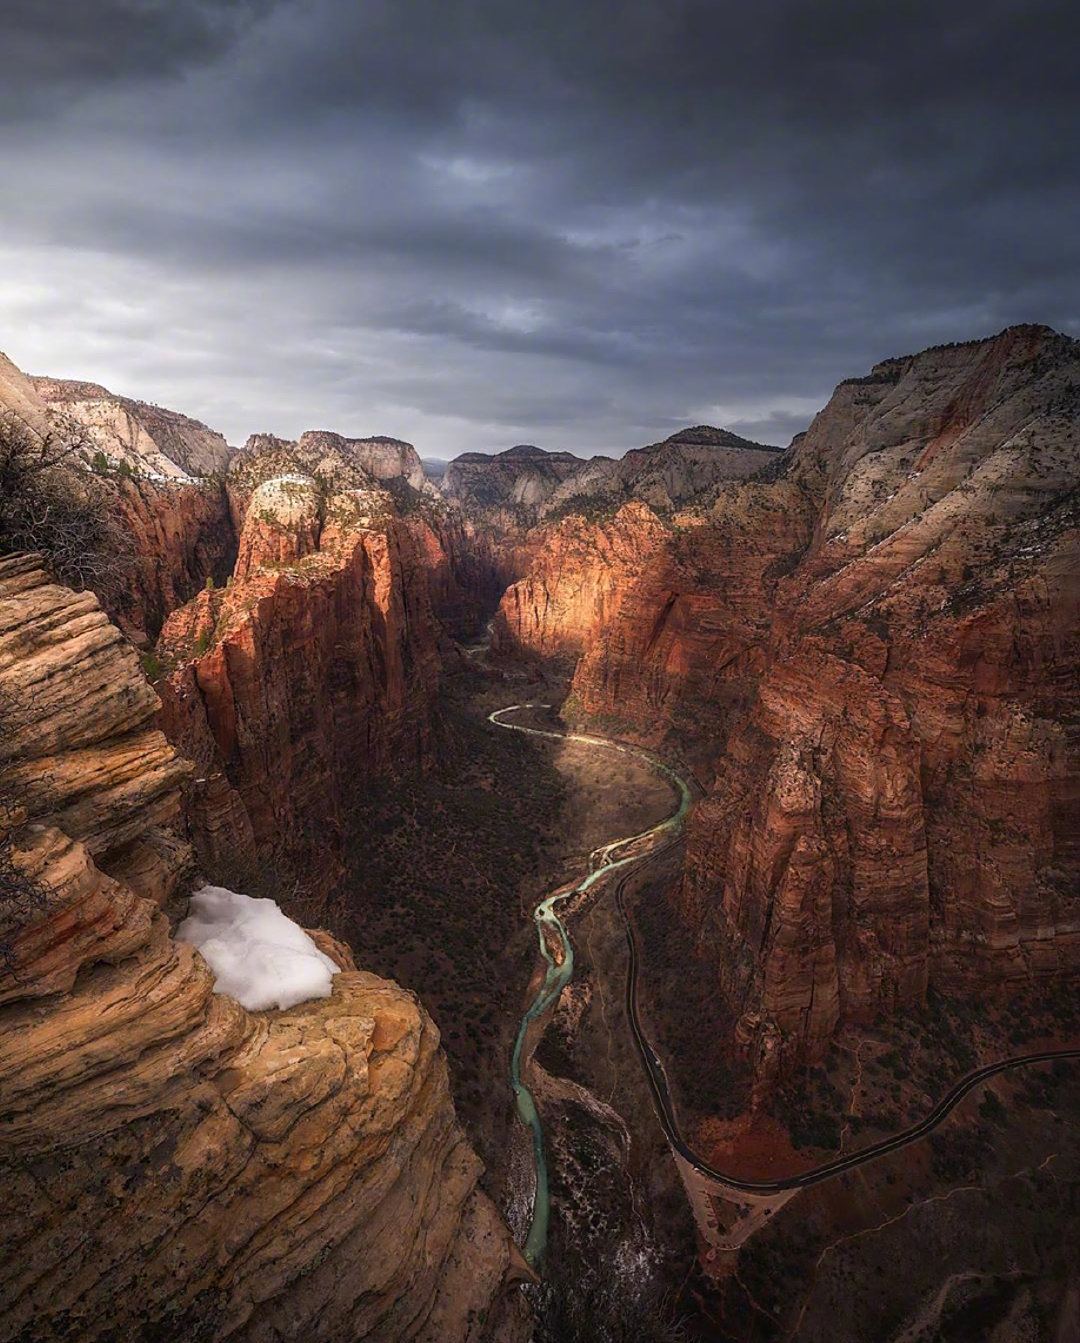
173 1165
314 672
869 651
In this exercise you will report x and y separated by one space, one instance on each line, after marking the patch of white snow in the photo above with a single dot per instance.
258 955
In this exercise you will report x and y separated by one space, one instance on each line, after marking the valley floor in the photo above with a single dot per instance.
445 870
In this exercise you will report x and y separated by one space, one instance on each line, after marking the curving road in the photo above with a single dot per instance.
559 973
654 1071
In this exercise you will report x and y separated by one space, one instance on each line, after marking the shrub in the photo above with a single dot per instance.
21 898
152 665
49 506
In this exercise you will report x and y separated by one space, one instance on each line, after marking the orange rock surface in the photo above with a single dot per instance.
870 654
172 1165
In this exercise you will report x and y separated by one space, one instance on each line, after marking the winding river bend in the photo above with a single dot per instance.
558 973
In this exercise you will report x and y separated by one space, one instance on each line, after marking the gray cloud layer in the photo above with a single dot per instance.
582 224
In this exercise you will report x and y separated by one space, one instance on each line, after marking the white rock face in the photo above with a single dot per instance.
150 439
382 458
259 956
664 475
292 501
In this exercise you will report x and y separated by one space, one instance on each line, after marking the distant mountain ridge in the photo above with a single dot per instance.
525 483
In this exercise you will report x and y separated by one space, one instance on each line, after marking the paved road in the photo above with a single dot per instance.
654 1071
558 974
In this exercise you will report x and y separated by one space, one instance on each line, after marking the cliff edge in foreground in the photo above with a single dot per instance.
171 1165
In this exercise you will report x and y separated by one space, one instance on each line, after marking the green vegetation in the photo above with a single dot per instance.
810 1108
681 1001
591 507
576 1308
441 864
991 1109
152 665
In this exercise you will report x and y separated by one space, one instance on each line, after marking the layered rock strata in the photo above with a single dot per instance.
524 485
170 1164
574 581
681 469
313 672
156 472
149 439
871 650
508 489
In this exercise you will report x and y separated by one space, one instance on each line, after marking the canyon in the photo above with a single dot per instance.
861 652
870 654
186 1164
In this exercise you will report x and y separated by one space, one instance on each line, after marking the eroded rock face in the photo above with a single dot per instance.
349 462
681 469
180 535
613 537
81 744
870 655
515 489
151 470
19 397
174 1163
311 674
507 489
147 438
574 580
170 1164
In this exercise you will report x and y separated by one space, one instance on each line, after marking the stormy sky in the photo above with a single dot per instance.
577 224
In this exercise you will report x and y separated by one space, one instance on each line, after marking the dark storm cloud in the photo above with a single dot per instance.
56 50
475 223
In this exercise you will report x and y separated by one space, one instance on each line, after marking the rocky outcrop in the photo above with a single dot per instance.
512 490
689 637
81 747
612 537
807 863
148 468
312 673
319 454
466 570
179 536
149 439
507 490
574 582
19 397
602 552
682 469
172 1165
871 650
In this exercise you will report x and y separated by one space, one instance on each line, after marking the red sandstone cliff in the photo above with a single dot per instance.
872 650
311 674
179 535
153 471
575 574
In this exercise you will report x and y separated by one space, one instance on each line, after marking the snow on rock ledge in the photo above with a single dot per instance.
258 955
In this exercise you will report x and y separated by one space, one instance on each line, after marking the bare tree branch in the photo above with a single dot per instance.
49 505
